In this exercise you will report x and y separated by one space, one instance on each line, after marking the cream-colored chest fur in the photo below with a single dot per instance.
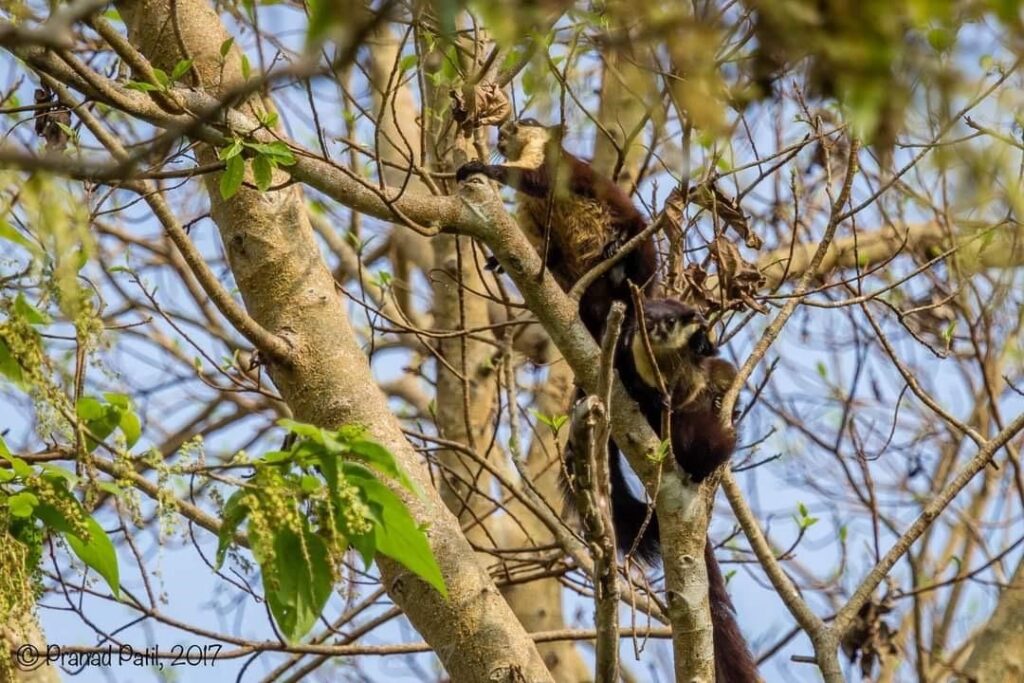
579 230
682 373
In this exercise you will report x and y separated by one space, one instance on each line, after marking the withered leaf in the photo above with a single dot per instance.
710 198
52 122
482 105
739 279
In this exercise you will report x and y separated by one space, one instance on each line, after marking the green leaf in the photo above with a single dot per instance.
141 86
110 487
398 536
554 422
55 473
407 62
9 367
302 429
277 151
161 77
89 408
131 427
366 546
121 413
122 401
29 312
662 453
98 553
232 150
947 334
246 68
22 503
235 512
275 457
319 20
101 420
21 468
303 581
225 47
270 120
262 173
53 518
231 179
381 459
7 232
180 69
941 39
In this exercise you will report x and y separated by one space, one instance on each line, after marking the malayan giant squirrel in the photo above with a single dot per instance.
573 216
576 218
679 352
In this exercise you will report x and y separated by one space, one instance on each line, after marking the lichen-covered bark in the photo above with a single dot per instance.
21 638
288 289
22 630
998 655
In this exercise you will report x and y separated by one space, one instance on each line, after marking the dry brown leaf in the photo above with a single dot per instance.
871 638
52 123
481 105
710 198
739 279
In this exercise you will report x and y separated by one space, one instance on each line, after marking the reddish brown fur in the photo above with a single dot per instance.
560 193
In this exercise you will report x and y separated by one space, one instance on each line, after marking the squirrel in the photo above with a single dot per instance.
575 218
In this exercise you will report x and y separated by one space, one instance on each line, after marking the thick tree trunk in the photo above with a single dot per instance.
288 289
998 655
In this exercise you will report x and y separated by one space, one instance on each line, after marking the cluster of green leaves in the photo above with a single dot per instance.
803 518
101 418
311 503
868 55
28 316
35 500
37 497
265 158
553 422
53 241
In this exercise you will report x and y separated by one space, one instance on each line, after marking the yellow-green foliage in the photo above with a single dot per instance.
17 588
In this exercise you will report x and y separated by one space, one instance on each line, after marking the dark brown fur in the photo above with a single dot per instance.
700 443
575 218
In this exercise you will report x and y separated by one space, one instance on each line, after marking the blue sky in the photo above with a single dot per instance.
191 592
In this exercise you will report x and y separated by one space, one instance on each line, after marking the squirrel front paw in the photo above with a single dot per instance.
613 246
469 168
